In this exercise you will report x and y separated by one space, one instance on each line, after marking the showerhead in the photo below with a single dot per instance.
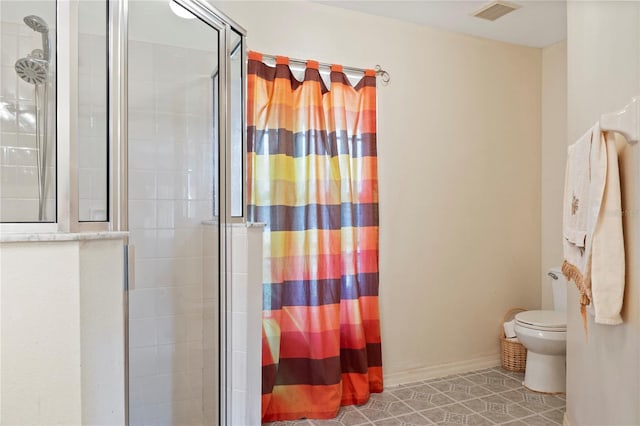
32 70
36 23
39 25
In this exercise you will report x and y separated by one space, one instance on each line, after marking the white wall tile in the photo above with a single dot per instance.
165 243
27 140
188 241
239 292
140 61
142 185
238 407
143 332
145 272
188 412
8 83
196 134
188 271
198 95
142 154
239 252
165 271
27 182
172 358
141 95
142 303
195 357
142 125
157 388
145 243
172 329
25 91
194 327
166 151
166 185
142 214
239 370
9 49
166 304
8 122
239 331
143 361
165 214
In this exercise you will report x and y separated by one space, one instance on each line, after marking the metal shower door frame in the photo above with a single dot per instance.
118 32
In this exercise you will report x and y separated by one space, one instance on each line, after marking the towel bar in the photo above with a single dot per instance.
626 121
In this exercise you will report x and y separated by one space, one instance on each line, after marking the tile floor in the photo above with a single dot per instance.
486 397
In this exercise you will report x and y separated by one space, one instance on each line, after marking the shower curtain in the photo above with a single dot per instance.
312 178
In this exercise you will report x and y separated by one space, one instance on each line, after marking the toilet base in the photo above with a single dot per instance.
545 373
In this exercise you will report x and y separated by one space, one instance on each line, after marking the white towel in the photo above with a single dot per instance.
592 225
577 186
607 263
584 186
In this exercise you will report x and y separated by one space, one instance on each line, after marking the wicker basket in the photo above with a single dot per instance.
514 355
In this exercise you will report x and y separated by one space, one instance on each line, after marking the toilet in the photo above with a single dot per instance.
544 334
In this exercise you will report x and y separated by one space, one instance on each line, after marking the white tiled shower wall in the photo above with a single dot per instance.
210 335
170 193
92 127
246 322
18 153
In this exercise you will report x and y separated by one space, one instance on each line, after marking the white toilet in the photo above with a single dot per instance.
544 334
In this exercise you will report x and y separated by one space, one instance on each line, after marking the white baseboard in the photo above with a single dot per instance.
440 370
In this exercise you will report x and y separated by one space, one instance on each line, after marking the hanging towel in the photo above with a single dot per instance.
577 187
608 264
592 226
584 186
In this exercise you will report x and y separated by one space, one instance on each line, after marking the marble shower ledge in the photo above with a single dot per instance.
236 224
61 236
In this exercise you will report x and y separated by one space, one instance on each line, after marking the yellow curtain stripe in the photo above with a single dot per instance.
284 167
313 242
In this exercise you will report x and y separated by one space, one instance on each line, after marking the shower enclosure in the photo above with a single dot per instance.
180 131
147 144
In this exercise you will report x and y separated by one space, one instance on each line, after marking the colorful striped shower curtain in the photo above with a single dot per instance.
312 178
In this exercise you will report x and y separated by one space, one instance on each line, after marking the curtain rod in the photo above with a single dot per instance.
384 75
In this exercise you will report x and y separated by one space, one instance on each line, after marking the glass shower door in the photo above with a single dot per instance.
173 159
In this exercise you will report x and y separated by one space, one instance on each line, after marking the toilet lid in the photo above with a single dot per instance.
552 320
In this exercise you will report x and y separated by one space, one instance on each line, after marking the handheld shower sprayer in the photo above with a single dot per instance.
39 25
34 69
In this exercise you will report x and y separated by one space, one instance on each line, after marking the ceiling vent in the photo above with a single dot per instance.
495 10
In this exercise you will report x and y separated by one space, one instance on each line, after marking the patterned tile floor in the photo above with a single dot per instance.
486 397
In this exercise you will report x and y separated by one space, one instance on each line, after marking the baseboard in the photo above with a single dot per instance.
440 370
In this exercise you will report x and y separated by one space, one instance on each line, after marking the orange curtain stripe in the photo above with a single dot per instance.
313 345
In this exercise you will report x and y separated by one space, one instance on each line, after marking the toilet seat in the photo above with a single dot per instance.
542 320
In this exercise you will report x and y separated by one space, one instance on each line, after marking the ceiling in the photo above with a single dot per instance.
538 23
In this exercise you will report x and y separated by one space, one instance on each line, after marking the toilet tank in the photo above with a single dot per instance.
559 289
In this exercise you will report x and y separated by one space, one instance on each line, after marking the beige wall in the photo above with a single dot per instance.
603 372
459 167
554 156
